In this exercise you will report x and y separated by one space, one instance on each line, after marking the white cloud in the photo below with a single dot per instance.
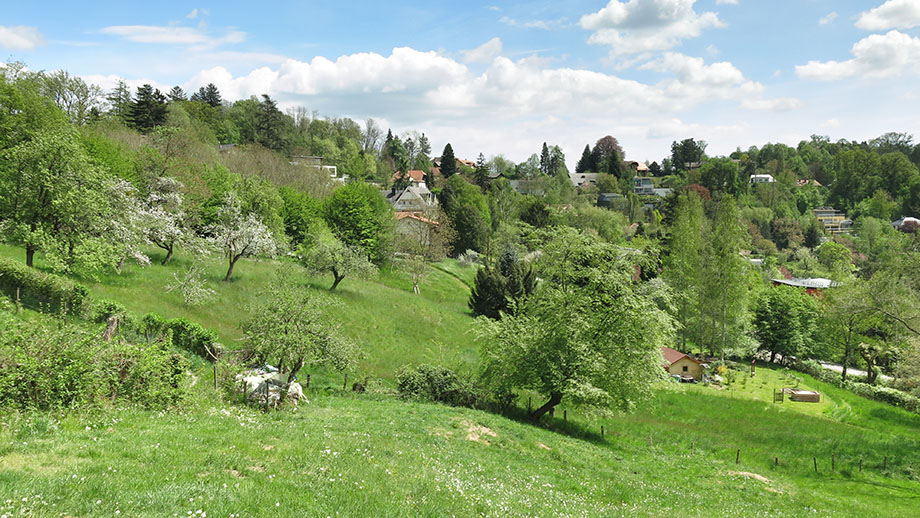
192 14
534 24
483 53
828 19
878 55
893 14
640 26
109 82
831 123
173 35
727 2
782 104
20 37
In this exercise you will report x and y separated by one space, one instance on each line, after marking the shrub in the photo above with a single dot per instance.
39 290
104 309
887 395
439 384
185 334
45 364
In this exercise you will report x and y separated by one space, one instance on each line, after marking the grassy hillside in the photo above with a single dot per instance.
343 455
391 324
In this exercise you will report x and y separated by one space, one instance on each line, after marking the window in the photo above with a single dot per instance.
685 368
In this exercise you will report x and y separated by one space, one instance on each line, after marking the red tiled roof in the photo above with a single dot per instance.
673 355
416 175
413 215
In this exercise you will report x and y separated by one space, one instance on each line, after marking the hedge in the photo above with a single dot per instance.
186 334
887 395
41 291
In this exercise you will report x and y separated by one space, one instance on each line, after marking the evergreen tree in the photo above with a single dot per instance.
270 124
545 161
448 162
209 95
496 288
482 171
176 94
120 101
585 162
148 109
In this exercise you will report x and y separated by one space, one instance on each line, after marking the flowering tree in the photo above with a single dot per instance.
328 254
240 235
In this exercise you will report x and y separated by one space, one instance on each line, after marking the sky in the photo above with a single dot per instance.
504 77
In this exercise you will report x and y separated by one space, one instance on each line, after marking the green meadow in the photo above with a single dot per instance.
690 450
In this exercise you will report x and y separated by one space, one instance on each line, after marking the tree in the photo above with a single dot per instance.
784 322
590 333
448 162
585 163
239 234
51 197
167 225
289 326
686 152
329 255
209 95
176 94
72 95
607 156
787 233
497 288
545 163
422 240
148 110
469 214
371 136
120 101
725 283
359 216
683 266
270 124
723 175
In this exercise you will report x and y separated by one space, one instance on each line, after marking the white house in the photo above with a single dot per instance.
762 178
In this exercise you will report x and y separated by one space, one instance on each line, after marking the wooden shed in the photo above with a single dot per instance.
681 364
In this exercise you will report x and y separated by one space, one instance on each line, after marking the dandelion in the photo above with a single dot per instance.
98 502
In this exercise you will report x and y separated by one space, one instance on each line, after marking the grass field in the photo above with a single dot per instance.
691 450
391 325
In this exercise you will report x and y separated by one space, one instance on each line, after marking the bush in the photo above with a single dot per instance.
439 384
887 395
41 291
44 365
185 334
104 309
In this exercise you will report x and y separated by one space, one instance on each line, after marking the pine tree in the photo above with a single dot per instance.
545 161
270 124
120 100
176 94
208 94
448 162
584 163
148 109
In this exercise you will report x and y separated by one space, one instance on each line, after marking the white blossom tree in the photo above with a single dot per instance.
240 235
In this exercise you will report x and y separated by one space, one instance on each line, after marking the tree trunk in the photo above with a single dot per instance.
554 399
338 279
169 252
772 356
233 261
846 350
121 264
30 254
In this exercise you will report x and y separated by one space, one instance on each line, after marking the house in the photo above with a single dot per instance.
683 365
834 221
643 186
803 183
413 223
762 178
416 177
906 224
812 286
315 162
412 199
579 180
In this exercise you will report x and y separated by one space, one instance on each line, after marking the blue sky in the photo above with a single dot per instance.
503 77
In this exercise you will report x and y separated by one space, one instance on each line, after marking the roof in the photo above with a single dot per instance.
672 356
906 219
816 283
415 216
416 175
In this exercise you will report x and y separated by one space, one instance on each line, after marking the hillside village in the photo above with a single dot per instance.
225 304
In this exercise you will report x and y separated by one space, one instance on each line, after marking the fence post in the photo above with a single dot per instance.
776 461
565 416
860 465
308 381
528 403
738 456
602 431
691 448
833 463
815 459
345 384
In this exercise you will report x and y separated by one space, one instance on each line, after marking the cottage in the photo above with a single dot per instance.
683 365
412 199
762 178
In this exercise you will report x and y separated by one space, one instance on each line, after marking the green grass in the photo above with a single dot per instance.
358 455
372 455
392 326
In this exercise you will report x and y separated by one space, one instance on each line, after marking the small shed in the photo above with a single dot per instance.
681 364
